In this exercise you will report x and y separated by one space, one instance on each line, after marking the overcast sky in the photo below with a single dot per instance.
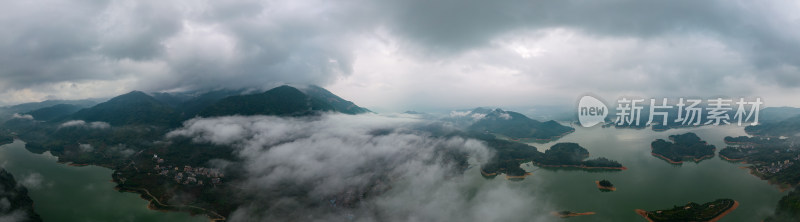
401 55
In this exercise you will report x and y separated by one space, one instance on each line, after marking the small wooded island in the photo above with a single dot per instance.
711 211
605 185
561 155
566 213
684 146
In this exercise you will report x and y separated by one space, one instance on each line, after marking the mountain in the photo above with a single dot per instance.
134 108
282 101
191 107
777 114
171 99
15 204
338 104
27 107
787 127
516 125
54 112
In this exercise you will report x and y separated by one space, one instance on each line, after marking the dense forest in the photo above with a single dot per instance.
683 146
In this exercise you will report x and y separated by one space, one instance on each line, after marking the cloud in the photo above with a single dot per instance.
363 167
32 181
399 55
14 216
81 123
86 148
24 116
56 46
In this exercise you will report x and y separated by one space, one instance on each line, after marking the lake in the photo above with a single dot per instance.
68 193
650 183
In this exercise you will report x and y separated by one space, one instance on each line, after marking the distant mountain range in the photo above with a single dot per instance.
789 127
170 109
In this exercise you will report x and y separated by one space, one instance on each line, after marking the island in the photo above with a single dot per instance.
711 211
566 214
605 185
510 155
572 155
683 146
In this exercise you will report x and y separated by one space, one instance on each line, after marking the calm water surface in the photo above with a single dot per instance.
68 193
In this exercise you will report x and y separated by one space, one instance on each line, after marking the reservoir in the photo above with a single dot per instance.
649 183
69 193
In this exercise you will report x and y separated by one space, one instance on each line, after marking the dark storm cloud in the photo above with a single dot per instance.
191 44
182 45
765 34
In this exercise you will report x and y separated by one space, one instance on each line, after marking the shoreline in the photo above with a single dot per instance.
155 204
730 159
726 212
541 140
579 167
144 193
696 160
643 213
484 173
783 187
518 177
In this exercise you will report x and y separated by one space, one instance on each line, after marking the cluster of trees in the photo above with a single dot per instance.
687 145
606 183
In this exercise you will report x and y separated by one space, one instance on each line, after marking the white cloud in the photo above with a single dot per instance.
86 148
335 154
81 123
396 56
24 116
32 181
505 116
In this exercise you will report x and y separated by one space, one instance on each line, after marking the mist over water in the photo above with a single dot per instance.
337 153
